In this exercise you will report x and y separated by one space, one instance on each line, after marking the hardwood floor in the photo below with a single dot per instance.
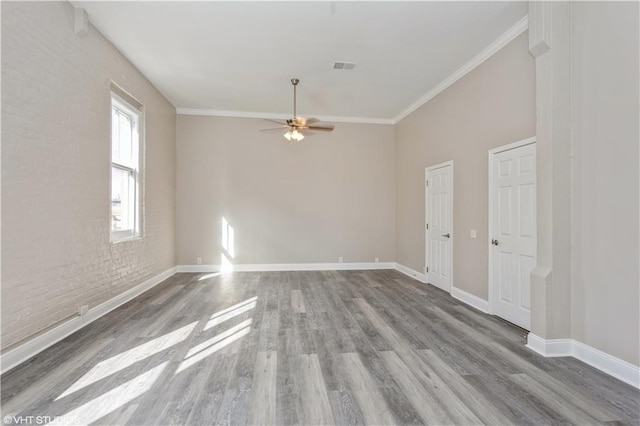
330 347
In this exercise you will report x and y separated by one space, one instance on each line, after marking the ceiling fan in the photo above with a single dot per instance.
297 125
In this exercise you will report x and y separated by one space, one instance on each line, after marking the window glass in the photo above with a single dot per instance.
125 170
122 189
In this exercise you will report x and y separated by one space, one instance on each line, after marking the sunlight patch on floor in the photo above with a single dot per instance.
125 359
233 311
213 345
117 397
212 275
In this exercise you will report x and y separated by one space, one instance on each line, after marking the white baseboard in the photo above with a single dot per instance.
29 349
471 300
604 362
197 268
263 267
550 348
621 370
611 365
410 272
463 296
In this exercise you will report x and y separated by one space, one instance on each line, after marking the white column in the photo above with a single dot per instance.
550 44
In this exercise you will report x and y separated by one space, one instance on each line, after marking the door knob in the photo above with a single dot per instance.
494 242
447 235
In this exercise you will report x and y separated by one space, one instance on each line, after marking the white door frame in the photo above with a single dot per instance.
426 219
492 153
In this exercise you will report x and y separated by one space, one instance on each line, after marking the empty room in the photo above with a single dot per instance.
320 213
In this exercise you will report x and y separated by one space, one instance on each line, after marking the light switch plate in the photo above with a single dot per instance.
473 233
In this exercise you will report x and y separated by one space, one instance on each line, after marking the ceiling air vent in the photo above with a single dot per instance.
344 65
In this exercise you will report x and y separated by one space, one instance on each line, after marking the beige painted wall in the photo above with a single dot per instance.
491 106
56 254
331 195
606 111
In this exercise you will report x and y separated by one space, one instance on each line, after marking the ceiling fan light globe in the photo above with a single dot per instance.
294 135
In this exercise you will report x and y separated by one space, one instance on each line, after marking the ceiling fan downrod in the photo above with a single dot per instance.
295 82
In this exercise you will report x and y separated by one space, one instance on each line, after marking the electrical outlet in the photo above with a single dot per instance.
199 261
377 260
340 259
82 310
474 234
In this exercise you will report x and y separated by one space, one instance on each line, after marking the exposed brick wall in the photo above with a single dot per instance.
56 253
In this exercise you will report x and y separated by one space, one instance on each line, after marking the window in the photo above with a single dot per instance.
125 169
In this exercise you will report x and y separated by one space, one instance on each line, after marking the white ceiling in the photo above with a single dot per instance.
238 57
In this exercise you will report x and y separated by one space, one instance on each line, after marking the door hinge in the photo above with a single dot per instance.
426 269
427 182
427 226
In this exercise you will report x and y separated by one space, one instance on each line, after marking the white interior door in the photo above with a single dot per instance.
512 249
439 229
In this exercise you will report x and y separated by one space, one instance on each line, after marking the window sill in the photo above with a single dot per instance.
121 237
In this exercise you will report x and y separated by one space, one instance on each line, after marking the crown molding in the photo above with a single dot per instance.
224 113
271 116
513 32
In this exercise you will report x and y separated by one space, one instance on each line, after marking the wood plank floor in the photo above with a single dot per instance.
285 348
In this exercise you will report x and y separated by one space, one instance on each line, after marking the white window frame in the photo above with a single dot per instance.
135 115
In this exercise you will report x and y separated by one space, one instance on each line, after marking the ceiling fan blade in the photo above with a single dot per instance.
302 121
274 129
322 128
275 121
